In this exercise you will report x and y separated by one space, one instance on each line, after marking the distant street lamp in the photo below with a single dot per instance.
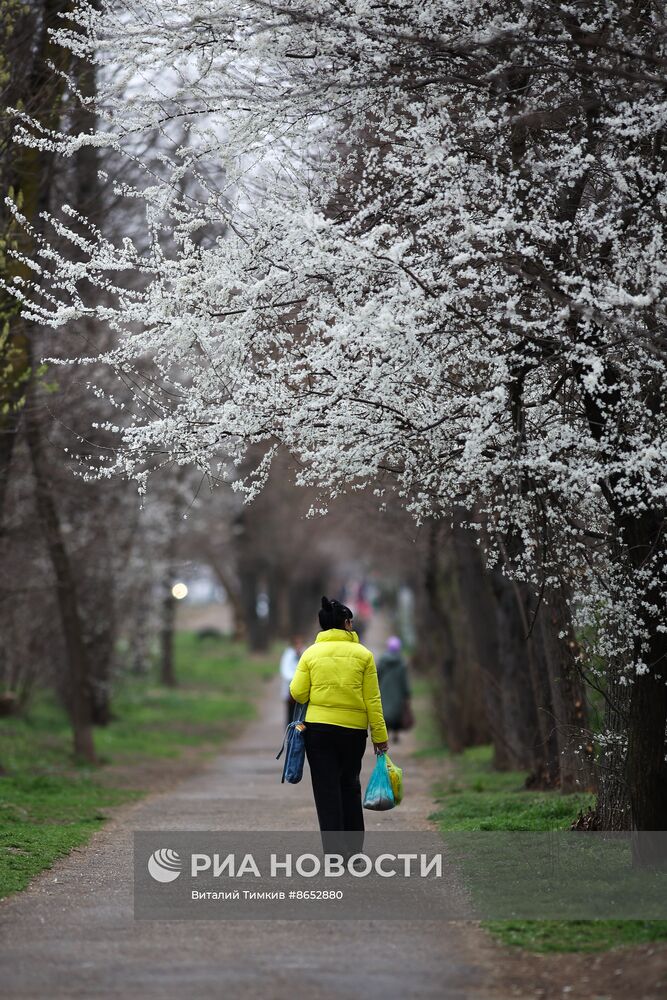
179 591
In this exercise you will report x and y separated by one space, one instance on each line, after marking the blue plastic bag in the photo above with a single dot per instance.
295 748
379 792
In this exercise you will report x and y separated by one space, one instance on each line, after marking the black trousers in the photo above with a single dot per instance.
334 756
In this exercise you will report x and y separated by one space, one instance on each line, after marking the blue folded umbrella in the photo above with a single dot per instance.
294 747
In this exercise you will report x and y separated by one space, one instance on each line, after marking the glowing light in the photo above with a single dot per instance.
179 591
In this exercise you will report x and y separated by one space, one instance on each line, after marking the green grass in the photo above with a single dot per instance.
49 806
576 935
477 798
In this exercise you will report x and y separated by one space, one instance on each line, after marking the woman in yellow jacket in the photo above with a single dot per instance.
338 679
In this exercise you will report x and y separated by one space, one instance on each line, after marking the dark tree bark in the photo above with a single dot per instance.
613 810
519 706
445 648
520 617
232 592
481 620
640 550
257 629
100 648
8 426
304 601
77 687
279 603
547 760
167 630
28 173
252 573
568 696
168 602
647 717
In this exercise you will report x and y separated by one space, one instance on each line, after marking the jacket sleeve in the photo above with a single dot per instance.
373 703
300 685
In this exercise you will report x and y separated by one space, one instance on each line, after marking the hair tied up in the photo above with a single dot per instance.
333 614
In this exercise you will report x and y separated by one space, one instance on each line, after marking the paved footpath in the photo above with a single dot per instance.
72 932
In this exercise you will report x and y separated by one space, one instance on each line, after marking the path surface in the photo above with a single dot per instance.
72 933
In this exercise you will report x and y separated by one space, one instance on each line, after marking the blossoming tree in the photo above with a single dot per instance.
422 248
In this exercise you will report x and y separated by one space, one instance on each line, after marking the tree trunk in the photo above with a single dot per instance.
613 804
521 618
568 697
446 649
647 717
479 602
30 176
519 708
547 762
100 653
250 571
233 596
279 604
78 695
8 425
304 599
647 777
167 629
641 550
256 627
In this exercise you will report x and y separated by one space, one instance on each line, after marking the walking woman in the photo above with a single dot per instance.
394 688
338 679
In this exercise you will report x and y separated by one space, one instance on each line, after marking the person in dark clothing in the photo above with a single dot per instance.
394 686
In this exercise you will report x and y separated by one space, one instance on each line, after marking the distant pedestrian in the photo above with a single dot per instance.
288 665
395 688
338 679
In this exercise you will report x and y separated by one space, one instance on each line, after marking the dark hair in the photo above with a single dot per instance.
333 614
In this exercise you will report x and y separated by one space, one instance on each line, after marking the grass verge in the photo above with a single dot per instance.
474 797
49 806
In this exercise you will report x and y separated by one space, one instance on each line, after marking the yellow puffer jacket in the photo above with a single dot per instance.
338 675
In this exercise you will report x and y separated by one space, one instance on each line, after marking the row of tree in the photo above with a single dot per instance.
88 571
421 251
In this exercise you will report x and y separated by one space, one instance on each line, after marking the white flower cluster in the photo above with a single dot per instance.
422 243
